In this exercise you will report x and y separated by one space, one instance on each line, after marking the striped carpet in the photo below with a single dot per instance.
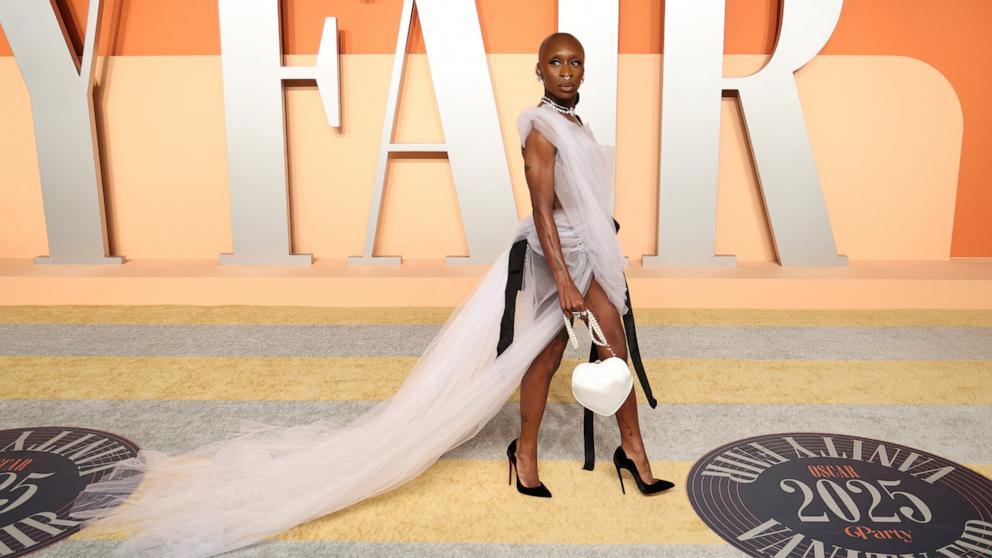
172 378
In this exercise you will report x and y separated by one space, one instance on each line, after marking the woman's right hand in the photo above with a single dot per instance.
570 299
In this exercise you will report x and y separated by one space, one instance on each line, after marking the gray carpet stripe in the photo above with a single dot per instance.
859 343
308 549
671 432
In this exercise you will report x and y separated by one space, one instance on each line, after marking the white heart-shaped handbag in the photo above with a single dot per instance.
600 386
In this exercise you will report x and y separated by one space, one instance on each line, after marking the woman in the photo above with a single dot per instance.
268 479
560 67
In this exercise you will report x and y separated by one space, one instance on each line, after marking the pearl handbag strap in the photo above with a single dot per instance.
594 330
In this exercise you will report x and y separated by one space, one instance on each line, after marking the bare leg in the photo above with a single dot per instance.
533 397
630 430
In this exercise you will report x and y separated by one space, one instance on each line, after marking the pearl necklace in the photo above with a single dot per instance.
564 110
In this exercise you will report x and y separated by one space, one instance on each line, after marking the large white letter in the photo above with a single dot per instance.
251 55
61 90
474 143
693 84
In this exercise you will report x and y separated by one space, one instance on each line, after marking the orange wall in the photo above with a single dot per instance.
950 35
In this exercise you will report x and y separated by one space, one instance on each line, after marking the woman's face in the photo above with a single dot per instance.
561 65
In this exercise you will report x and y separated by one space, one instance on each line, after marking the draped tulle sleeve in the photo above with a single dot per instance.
529 119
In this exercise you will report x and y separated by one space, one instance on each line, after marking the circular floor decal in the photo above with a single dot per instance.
42 470
833 495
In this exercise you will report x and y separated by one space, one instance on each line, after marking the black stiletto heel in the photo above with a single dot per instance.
621 461
619 476
540 490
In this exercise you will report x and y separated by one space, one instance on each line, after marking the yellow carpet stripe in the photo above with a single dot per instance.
463 501
436 315
895 382
468 501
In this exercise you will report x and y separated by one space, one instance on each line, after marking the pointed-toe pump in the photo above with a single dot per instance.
540 490
621 461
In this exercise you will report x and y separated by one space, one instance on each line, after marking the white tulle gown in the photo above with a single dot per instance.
267 479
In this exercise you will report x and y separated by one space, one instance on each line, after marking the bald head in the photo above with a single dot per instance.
558 39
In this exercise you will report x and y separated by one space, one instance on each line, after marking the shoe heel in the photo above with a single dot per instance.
618 462
509 458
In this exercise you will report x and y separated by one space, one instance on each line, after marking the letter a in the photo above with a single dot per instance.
473 139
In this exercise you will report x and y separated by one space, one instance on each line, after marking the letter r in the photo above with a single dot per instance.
693 85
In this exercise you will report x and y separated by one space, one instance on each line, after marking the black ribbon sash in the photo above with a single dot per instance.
514 280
